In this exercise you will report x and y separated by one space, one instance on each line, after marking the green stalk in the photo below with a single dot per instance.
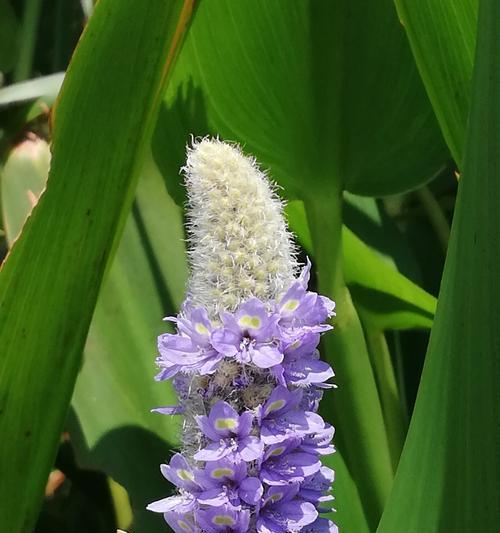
395 417
29 33
436 216
354 407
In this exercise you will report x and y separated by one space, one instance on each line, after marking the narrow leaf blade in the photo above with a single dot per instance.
448 476
50 281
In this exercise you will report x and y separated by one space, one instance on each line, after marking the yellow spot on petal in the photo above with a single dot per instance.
277 451
275 406
225 423
222 472
275 497
201 329
186 475
223 520
290 305
247 321
184 525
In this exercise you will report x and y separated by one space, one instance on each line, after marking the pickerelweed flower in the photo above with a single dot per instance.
245 364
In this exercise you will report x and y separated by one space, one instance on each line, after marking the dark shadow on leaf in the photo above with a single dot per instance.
131 455
177 121
384 304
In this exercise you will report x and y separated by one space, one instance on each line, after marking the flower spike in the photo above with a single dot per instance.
244 362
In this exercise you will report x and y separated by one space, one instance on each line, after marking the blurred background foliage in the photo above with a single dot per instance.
357 109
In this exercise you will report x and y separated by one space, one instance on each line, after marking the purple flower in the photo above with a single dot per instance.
228 471
223 519
298 307
255 464
314 489
250 335
319 442
321 525
229 433
280 420
181 474
189 350
282 512
287 468
181 522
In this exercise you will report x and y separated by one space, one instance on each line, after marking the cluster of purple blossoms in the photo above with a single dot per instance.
252 461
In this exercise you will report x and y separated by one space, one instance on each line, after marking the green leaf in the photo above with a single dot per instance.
348 515
22 179
115 390
443 36
317 91
388 299
449 471
50 281
9 37
46 87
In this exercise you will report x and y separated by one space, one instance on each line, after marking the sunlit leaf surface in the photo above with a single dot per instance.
449 471
50 281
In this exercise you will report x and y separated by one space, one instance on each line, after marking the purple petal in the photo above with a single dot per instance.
212 497
181 504
213 452
252 318
303 343
223 519
321 525
222 471
281 401
180 473
250 448
198 326
226 342
289 468
169 410
250 490
245 424
181 523
178 350
305 274
224 419
306 371
291 300
297 514
264 525
280 494
266 356
206 427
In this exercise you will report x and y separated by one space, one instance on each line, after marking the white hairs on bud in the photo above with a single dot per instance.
239 243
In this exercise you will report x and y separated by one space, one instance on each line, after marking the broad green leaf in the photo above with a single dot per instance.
22 181
115 390
442 36
388 299
317 91
50 281
449 471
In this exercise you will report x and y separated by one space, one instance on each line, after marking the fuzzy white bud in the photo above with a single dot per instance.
239 243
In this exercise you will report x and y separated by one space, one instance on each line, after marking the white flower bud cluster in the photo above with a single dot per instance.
239 243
